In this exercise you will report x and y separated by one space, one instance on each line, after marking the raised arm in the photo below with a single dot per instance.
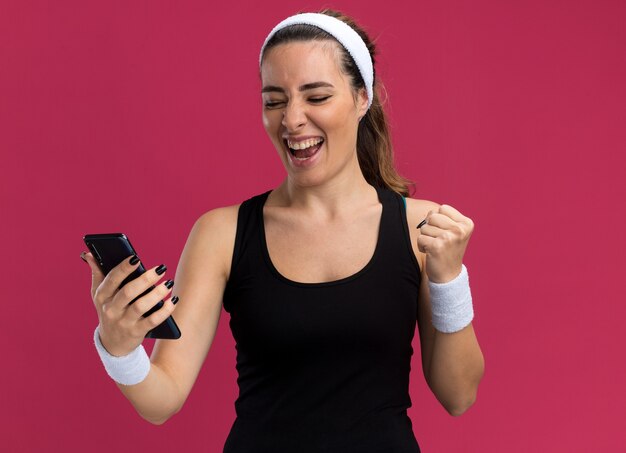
453 363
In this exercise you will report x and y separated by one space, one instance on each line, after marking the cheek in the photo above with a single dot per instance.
273 117
334 125
335 117
267 120
272 123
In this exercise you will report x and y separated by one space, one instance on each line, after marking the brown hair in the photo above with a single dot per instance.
374 147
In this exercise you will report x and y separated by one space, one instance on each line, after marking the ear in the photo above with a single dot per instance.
361 103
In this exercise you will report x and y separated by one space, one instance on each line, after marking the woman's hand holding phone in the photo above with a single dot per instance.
122 325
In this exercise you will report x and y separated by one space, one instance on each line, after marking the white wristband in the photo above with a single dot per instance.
129 369
451 303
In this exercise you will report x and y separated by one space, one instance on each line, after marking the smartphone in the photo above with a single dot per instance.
109 250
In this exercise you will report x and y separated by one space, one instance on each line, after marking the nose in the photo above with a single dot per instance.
294 116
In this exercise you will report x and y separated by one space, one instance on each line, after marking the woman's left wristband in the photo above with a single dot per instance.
451 303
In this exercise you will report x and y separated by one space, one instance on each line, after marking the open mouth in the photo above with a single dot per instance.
306 149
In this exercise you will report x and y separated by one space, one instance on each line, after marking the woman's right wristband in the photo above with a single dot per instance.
129 369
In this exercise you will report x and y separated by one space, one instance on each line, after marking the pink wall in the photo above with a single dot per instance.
140 116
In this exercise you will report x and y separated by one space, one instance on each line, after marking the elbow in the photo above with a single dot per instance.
456 402
458 408
465 399
156 421
159 419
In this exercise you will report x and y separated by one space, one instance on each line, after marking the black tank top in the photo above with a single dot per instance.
323 367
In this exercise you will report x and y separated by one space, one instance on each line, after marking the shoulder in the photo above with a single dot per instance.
217 225
213 235
416 211
224 217
219 218
419 208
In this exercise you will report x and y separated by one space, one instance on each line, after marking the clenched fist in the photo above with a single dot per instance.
444 239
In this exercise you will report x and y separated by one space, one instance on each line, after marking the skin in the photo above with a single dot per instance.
331 197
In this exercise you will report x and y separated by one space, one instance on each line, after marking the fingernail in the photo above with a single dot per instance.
422 223
159 270
82 256
134 260
175 300
169 284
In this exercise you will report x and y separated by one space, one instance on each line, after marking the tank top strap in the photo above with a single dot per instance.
247 229
246 252
396 250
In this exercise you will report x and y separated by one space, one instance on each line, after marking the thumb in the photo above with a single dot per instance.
96 274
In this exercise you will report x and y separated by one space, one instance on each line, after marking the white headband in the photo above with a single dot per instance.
343 33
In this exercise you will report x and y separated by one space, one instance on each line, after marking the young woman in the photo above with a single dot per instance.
324 277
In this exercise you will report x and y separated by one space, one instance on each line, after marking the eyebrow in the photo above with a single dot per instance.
306 86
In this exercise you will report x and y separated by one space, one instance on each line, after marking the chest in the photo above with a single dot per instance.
309 251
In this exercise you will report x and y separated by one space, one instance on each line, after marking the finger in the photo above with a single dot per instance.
111 283
425 244
158 316
145 303
451 212
96 274
441 220
137 287
432 231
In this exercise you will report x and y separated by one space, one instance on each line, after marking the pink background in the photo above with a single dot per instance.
140 116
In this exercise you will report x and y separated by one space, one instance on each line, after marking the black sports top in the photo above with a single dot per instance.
323 367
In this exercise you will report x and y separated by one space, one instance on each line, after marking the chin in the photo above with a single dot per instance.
313 178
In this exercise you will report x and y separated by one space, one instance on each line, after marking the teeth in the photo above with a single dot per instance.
305 144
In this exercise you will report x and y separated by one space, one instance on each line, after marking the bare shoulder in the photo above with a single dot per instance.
420 207
416 211
216 230
220 216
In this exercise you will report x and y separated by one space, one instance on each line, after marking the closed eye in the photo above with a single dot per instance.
318 99
272 104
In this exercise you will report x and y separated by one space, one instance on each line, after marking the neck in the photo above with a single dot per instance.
329 199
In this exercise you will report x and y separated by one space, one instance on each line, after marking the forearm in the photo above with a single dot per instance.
456 368
156 398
